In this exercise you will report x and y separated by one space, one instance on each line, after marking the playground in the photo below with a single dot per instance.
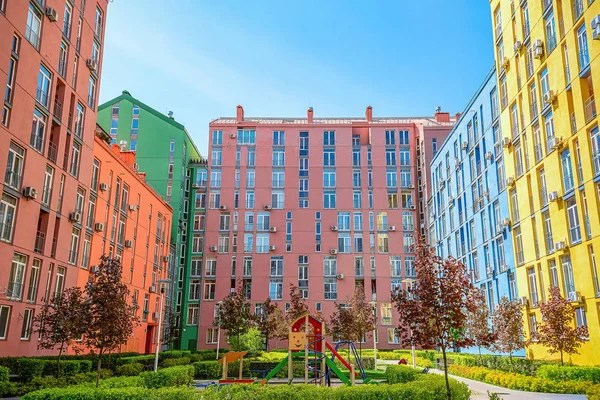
306 342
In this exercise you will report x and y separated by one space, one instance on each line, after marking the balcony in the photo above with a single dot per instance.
32 37
40 241
57 111
590 109
52 152
42 97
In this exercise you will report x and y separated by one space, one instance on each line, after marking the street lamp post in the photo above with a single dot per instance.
160 317
218 332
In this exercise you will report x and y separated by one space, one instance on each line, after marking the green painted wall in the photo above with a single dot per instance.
153 155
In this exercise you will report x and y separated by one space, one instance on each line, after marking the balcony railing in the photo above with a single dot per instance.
590 109
42 97
57 110
40 241
65 161
36 142
12 179
32 37
584 59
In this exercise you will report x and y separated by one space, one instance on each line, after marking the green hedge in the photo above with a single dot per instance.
67 367
516 381
4 374
131 369
13 362
428 387
172 362
501 363
128 393
573 373
593 392
174 376
401 374
146 359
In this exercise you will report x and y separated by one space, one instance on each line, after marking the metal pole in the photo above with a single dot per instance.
375 348
160 313
218 340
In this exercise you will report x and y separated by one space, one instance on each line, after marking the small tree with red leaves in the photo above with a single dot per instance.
110 320
298 305
234 316
355 320
478 323
60 322
507 320
556 330
270 321
434 313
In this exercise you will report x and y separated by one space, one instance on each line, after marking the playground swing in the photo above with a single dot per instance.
311 347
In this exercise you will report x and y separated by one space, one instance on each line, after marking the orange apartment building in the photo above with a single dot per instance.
127 219
50 67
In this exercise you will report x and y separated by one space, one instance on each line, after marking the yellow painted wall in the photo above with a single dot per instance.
527 186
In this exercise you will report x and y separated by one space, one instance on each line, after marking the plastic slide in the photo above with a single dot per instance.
282 363
342 360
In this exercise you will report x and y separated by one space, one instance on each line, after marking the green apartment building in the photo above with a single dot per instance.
167 155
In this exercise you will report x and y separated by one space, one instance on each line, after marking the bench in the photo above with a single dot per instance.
260 373
148 367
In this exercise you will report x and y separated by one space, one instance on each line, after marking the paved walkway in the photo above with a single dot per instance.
480 390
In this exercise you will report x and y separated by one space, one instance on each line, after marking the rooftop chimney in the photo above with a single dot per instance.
310 115
240 114
457 116
369 114
441 116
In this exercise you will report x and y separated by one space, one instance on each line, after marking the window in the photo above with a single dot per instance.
329 179
382 242
59 284
250 199
91 92
98 23
34 280
567 170
4 318
246 136
8 209
75 159
209 290
34 25
434 146
278 159
568 279
217 138
329 200
16 278
211 335
357 199
580 318
392 200
193 312
544 84
395 266
74 246
391 179
38 129
550 33
68 16
278 138
573 217
329 158
14 166
533 291
519 246
278 180
217 158
215 179
278 200
26 327
409 266
582 44
330 288
250 174
503 92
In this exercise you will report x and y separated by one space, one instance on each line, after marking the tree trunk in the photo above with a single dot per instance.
448 394
58 360
510 359
99 368
267 339
562 363
480 360
109 355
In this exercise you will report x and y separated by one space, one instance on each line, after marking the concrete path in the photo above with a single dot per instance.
480 389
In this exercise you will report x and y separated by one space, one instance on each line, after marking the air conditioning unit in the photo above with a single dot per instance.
524 301
411 186
560 246
334 228
155 315
333 252
489 155
506 142
273 229
132 207
517 46
413 207
553 196
465 145
223 208
272 248
340 276
213 248
503 267
128 243
267 208
549 97
510 181
99 227
505 62
30 192
595 22
52 14
538 49
232 136
152 289
166 258
559 142
505 221
499 228
392 228
75 217
91 64
596 32
103 187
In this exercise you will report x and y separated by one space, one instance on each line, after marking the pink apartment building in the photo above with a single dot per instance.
326 204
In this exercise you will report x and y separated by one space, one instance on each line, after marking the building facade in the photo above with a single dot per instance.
51 53
469 207
163 150
546 58
128 220
326 204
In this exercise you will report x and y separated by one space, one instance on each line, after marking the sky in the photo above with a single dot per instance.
200 58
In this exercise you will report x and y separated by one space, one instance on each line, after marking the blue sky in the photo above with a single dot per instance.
200 58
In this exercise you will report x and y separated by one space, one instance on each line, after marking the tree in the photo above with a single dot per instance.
234 315
355 320
110 320
270 321
478 323
298 306
434 313
250 341
556 330
60 321
507 320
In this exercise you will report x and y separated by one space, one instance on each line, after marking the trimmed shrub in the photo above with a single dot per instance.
67 367
401 374
593 392
516 381
173 376
147 359
174 354
172 362
573 373
30 368
128 393
207 370
132 369
3 374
